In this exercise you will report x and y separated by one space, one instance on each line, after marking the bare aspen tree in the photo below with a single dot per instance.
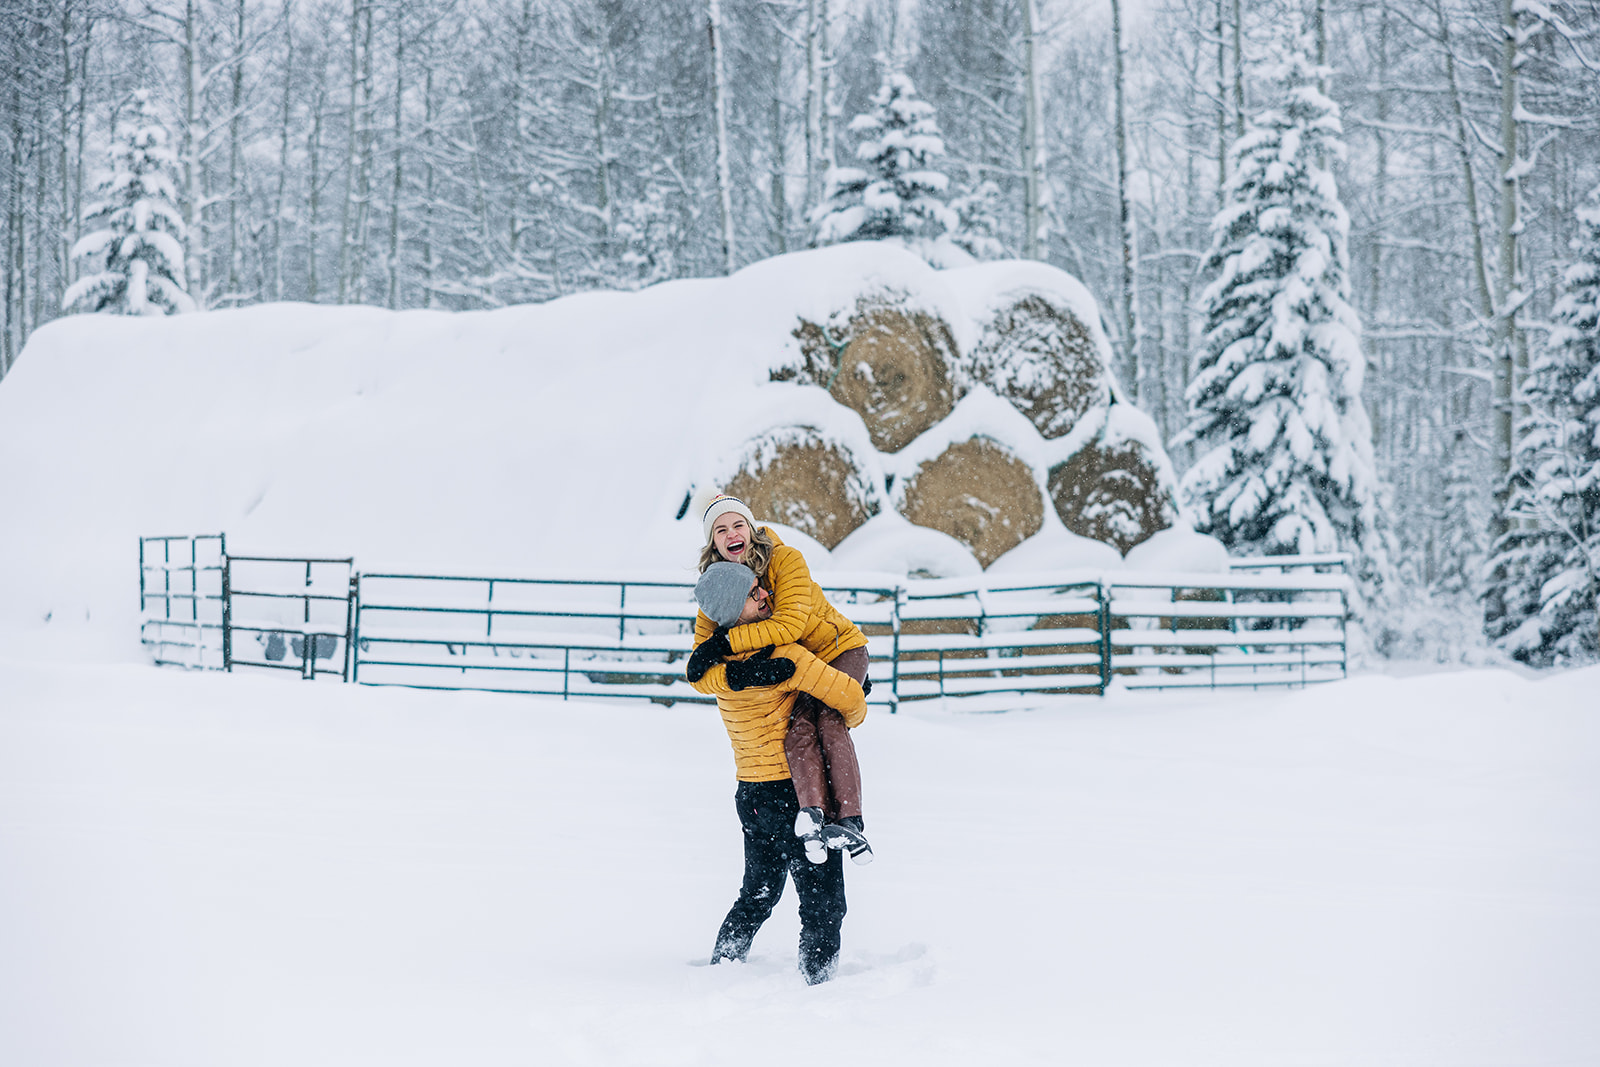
816 104
776 173
319 105
1130 292
430 116
1222 104
358 156
285 117
1033 155
397 136
189 150
1469 183
1510 295
719 108
1238 69
1382 410
66 226
236 152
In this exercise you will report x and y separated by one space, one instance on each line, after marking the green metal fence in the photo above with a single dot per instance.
1274 622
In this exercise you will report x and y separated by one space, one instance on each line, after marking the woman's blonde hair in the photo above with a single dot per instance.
756 557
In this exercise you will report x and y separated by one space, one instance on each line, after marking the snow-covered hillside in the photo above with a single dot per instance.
234 871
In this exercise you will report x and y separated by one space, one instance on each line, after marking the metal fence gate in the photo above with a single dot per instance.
181 600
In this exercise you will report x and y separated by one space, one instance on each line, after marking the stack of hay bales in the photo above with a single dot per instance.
1029 336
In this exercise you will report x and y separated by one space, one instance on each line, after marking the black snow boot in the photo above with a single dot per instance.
847 834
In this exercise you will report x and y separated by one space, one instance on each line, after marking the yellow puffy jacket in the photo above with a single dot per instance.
758 718
801 614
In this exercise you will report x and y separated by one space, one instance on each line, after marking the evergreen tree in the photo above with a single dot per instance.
1545 569
135 257
1461 550
977 229
1284 445
896 193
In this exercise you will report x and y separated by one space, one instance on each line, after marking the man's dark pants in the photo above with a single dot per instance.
772 852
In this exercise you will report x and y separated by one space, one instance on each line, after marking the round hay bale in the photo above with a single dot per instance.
1112 494
889 364
978 493
1043 359
793 476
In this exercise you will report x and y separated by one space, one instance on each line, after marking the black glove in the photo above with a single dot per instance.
711 652
759 671
866 686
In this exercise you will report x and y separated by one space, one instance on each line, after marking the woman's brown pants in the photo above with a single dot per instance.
822 758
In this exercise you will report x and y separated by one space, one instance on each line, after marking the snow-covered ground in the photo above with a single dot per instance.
230 871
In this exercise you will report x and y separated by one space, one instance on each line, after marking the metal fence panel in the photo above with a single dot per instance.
1279 621
181 599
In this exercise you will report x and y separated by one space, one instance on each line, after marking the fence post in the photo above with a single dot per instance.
227 613
350 626
1104 592
894 618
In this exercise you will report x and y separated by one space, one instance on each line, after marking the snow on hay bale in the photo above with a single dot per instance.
1113 491
889 362
978 492
795 476
1045 359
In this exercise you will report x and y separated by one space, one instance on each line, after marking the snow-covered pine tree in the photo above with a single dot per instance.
1284 445
1548 565
977 226
134 259
1461 554
896 192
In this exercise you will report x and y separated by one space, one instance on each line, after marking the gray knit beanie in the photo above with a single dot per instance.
722 591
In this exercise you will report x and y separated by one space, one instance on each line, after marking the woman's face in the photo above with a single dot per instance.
730 536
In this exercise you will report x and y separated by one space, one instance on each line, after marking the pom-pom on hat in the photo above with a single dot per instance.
720 505
722 591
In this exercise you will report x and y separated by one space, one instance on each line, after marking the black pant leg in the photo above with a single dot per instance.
820 887
766 863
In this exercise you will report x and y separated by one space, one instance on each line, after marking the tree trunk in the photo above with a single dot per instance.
350 220
1033 161
283 151
1505 322
399 148
236 154
66 225
1130 293
318 106
1464 153
1238 70
719 109
1222 108
1382 391
429 115
194 254
815 104
780 191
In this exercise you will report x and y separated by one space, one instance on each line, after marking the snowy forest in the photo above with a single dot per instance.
1357 241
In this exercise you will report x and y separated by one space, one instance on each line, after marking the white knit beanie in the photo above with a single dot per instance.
720 505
